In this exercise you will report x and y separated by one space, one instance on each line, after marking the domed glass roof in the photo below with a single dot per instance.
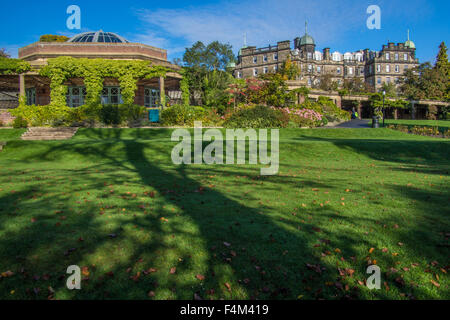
99 36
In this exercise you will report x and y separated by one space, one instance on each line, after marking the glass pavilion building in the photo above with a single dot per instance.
100 44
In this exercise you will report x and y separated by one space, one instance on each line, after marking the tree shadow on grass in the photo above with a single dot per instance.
194 228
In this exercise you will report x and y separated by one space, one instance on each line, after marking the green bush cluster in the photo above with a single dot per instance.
19 123
420 130
182 115
53 38
86 115
425 131
258 117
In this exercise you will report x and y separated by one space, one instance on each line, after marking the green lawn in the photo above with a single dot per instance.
111 201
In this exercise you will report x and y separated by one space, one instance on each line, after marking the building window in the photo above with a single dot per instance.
388 56
397 68
309 68
388 80
151 97
265 58
378 67
31 96
255 59
388 68
75 96
405 56
350 70
309 55
275 68
266 70
338 70
111 95
405 68
396 57
275 56
255 72
239 75
319 69
309 82
379 80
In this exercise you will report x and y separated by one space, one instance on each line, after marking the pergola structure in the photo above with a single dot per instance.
419 108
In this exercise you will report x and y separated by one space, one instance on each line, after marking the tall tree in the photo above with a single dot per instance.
427 81
442 63
214 56
205 69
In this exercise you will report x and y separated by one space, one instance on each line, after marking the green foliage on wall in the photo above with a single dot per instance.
94 71
184 87
13 66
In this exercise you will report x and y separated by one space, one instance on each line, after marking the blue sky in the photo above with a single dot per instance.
175 25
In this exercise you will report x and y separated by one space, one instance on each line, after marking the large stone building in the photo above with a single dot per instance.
105 45
373 67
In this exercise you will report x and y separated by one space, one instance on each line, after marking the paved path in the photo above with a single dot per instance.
353 124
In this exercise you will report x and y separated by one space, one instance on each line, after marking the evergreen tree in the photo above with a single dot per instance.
442 63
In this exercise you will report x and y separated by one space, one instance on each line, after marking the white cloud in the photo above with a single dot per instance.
330 22
264 22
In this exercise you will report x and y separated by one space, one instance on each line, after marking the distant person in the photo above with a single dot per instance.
354 114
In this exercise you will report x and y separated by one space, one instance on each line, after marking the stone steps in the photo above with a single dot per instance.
39 134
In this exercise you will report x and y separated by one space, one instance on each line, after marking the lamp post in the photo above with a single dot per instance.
384 112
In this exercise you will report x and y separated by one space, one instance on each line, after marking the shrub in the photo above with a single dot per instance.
304 117
425 131
331 111
41 115
110 114
258 117
20 122
180 115
446 134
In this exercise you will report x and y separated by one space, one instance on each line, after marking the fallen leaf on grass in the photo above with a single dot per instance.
173 270
435 283
200 277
